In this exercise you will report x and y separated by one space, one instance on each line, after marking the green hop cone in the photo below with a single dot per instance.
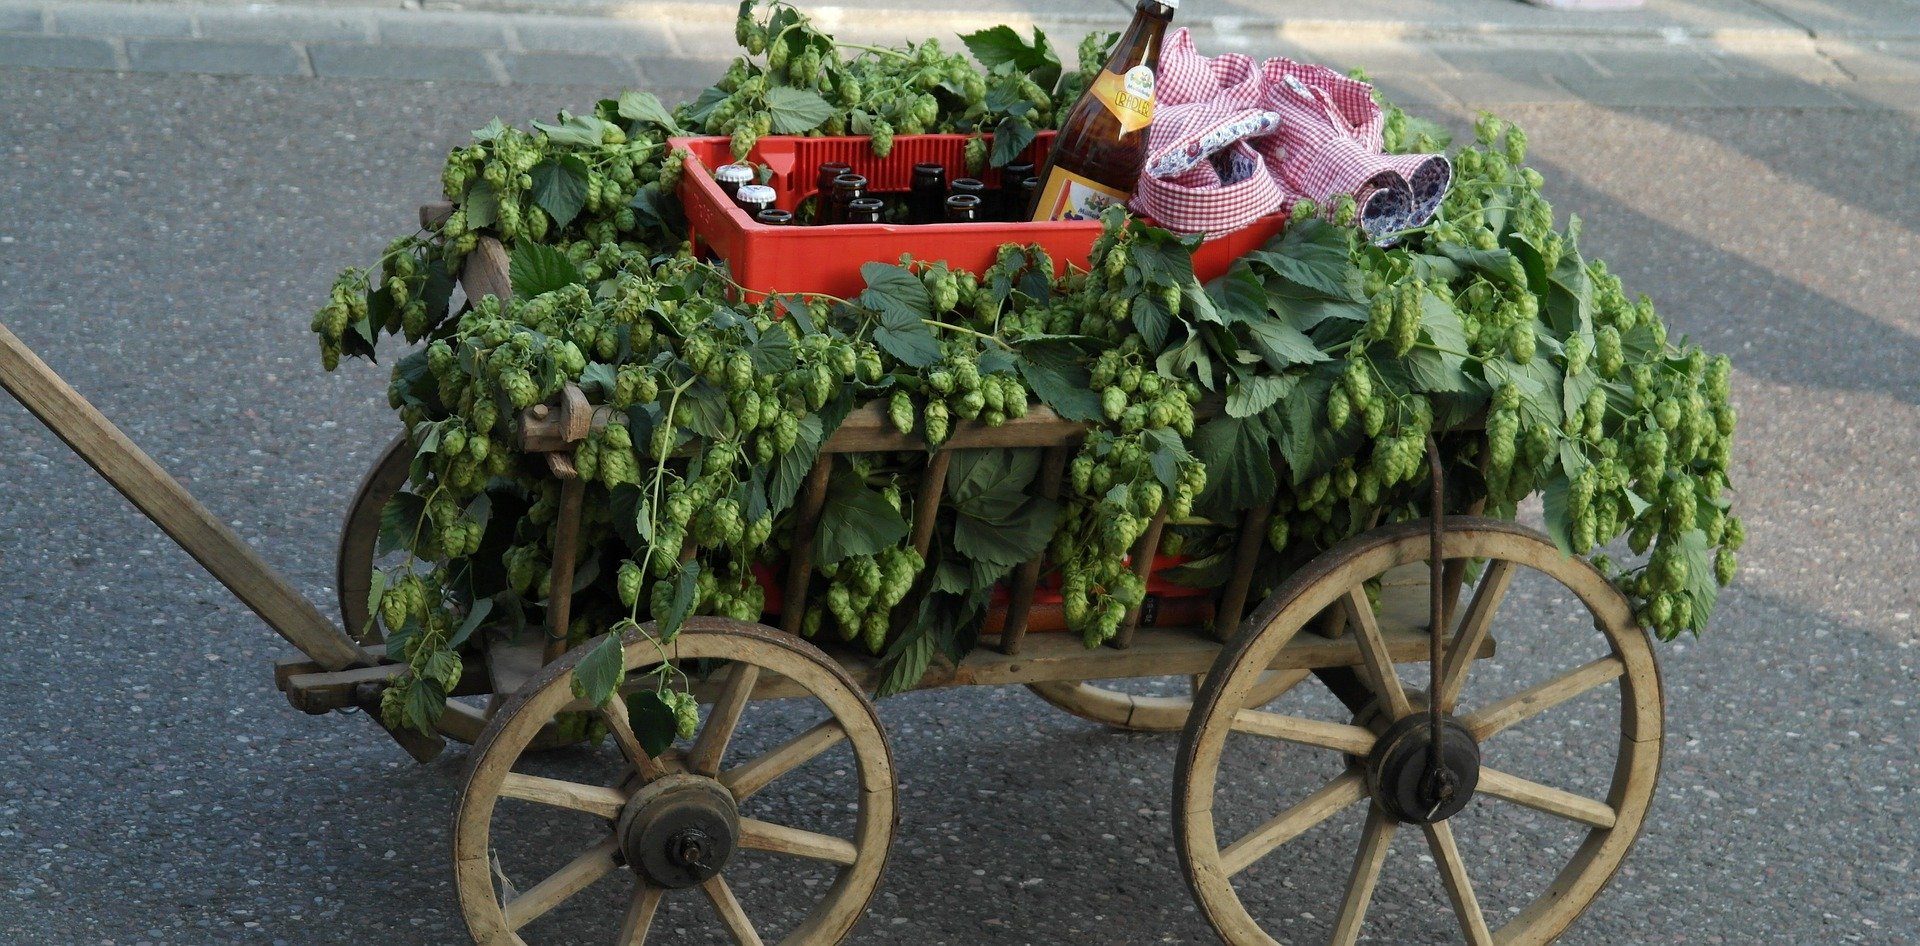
686 712
900 411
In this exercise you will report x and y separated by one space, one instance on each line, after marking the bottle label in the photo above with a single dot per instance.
1129 97
1069 196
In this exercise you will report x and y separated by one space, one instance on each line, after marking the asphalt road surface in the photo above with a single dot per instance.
164 239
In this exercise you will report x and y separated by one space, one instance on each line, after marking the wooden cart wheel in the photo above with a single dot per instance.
675 823
353 575
1597 682
360 535
1144 713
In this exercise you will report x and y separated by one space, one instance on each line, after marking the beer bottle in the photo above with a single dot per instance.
823 192
929 192
1102 144
1014 197
864 210
732 177
846 188
963 208
773 217
754 198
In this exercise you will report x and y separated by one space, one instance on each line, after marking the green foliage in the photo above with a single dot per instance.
1310 375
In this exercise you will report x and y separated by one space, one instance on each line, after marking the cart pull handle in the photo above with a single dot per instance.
162 499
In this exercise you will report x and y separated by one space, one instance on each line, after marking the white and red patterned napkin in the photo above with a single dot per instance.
1232 142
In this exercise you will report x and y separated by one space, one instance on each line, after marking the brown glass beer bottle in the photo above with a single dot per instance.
1102 144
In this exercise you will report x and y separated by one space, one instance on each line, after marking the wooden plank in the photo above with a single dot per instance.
330 690
868 430
1246 555
485 272
813 497
566 538
1054 657
1142 566
926 504
162 499
1053 471
434 214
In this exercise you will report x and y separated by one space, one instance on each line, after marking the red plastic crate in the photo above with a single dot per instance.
827 259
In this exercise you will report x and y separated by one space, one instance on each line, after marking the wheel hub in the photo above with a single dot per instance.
679 831
1398 776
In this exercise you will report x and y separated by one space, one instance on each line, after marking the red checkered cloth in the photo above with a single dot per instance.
1224 192
1201 176
1213 112
1186 76
1184 135
1329 144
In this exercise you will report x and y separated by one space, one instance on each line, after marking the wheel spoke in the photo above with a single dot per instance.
1273 685
1526 704
579 874
735 918
1545 798
1290 824
1474 627
592 799
1374 840
615 713
1373 650
1453 873
1340 737
722 718
758 835
750 777
640 910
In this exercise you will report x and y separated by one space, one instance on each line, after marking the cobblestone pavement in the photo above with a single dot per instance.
1681 53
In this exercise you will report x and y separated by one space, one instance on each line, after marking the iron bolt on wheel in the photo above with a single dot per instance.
675 824
1604 686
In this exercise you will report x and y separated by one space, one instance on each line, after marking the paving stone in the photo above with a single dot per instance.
120 19
388 62
1480 89
1671 62
1869 61
608 72
1641 93
1861 19
299 26
1381 60
470 31
217 57
1882 93
56 52
20 18
1763 62
1520 63
592 35
1777 93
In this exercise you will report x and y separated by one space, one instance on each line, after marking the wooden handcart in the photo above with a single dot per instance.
1395 754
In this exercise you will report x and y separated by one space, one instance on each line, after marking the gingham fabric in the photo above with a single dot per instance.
1328 143
1228 190
1184 135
